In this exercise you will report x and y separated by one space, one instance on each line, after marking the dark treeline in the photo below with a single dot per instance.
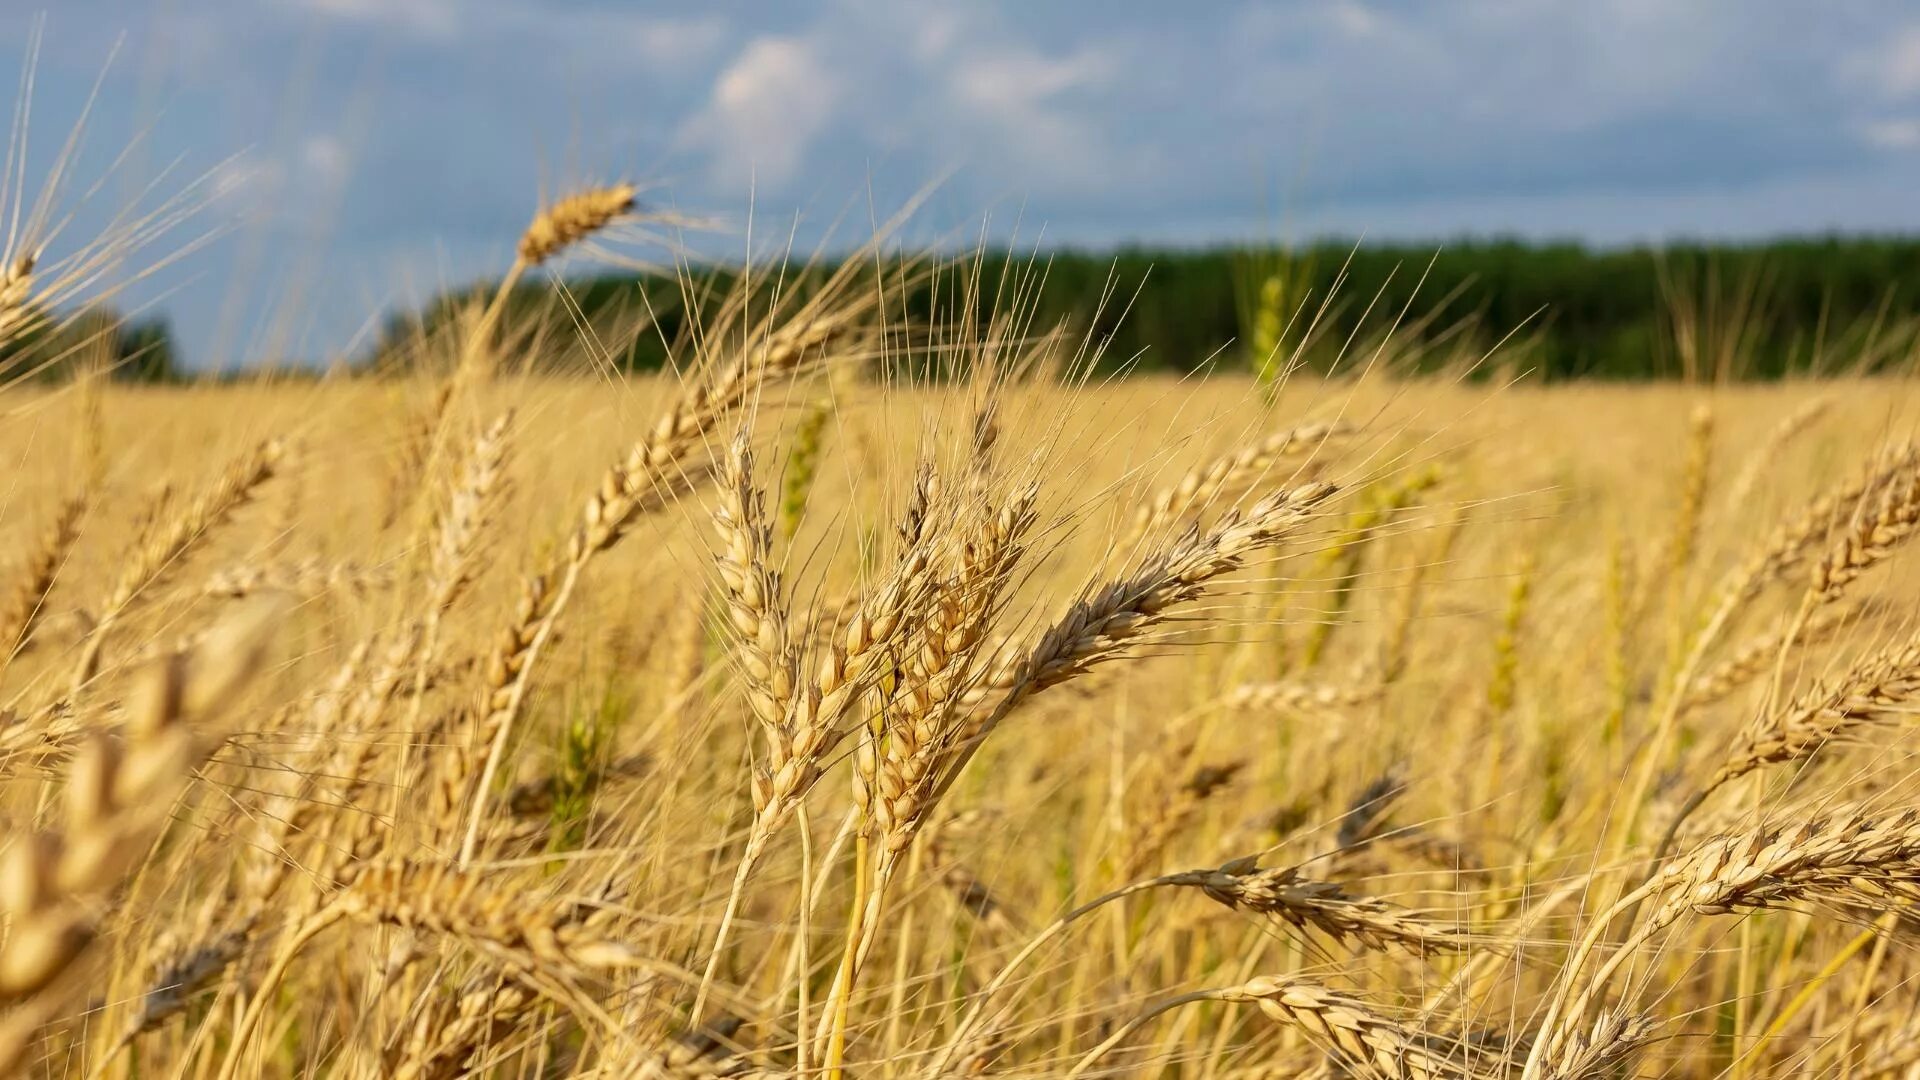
1559 310
47 348
1562 310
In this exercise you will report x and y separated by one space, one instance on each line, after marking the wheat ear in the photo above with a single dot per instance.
171 540
1847 858
656 469
817 722
1872 539
1880 686
1756 656
37 579
572 219
1343 1026
439 1045
17 315
1289 895
56 886
922 723
1226 477
1109 620
756 602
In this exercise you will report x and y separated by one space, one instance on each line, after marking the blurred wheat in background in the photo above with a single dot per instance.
882 696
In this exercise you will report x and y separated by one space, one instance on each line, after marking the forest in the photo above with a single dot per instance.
1552 311
1556 311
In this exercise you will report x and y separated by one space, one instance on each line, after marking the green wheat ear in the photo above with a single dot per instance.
803 465
580 765
1340 561
1269 323
1506 645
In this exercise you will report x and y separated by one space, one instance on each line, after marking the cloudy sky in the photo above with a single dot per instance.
362 152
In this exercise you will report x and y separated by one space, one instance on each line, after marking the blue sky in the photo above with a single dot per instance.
362 153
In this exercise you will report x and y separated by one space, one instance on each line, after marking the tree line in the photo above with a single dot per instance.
1557 310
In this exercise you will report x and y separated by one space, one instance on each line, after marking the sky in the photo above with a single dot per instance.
353 156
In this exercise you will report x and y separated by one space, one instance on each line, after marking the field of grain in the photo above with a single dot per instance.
789 715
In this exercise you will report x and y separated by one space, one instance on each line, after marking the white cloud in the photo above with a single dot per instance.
934 32
613 42
673 42
766 108
438 19
1005 80
1900 64
1902 134
544 29
1885 65
933 87
324 161
1011 97
1355 18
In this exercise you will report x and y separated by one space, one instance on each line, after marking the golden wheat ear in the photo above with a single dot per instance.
1355 1035
570 220
58 886
29 604
1290 896
17 316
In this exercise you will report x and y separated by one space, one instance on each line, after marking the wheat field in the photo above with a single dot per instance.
880 700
